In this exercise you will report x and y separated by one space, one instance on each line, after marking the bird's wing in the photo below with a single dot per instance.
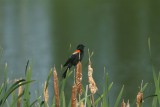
72 58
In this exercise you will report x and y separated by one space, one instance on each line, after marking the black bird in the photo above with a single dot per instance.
73 60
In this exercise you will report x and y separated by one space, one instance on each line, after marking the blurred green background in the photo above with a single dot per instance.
116 31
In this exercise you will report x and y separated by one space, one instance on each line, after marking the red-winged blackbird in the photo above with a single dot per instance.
76 56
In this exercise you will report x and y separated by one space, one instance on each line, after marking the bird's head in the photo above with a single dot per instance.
80 47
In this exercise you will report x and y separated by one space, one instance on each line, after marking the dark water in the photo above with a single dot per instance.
116 31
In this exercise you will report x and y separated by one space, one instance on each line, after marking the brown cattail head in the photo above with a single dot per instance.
79 77
45 93
139 98
123 104
74 95
20 91
92 85
56 89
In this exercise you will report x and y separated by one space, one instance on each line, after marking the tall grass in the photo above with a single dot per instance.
17 93
22 98
7 89
156 100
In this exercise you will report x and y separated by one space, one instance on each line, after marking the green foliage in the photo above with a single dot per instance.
7 89
119 97
156 100
9 96
103 96
11 89
63 100
48 78
27 88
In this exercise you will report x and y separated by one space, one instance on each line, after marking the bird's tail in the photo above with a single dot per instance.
65 72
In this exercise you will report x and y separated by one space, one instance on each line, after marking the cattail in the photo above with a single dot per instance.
92 85
79 77
45 93
139 99
56 90
74 94
123 104
20 90
128 105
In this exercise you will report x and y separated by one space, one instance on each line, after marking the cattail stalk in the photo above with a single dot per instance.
92 100
79 78
56 89
74 95
86 96
20 90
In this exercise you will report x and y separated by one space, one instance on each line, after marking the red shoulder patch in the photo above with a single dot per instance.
76 51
